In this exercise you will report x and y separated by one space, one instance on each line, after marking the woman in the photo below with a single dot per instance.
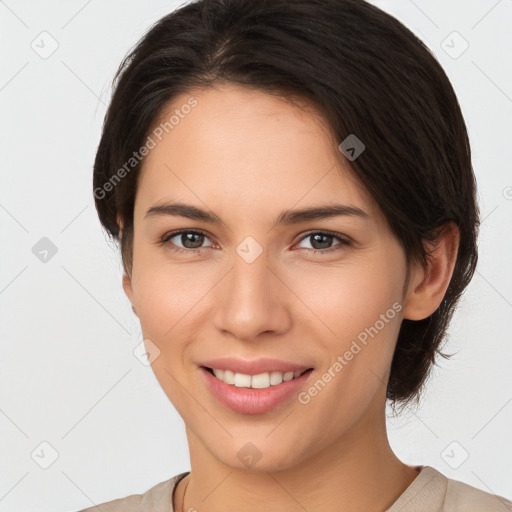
291 185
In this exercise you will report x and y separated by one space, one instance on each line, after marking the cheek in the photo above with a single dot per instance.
168 296
357 319
169 308
346 300
365 316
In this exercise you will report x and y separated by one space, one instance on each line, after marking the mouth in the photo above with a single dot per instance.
254 394
260 381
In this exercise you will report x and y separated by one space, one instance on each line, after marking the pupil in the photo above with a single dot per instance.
185 239
323 245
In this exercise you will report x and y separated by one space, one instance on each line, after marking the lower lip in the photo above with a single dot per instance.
253 401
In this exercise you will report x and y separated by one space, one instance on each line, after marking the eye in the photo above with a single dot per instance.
321 242
191 240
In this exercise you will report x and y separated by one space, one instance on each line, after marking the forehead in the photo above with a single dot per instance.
246 148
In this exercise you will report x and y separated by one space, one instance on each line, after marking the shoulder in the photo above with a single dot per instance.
432 491
150 501
461 497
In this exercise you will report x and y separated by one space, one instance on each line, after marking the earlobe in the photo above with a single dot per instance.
127 287
428 286
127 281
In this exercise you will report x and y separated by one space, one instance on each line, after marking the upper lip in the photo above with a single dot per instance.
255 366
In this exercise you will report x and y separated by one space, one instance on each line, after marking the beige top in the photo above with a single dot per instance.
430 491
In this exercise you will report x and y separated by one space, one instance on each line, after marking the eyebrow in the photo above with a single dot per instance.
285 218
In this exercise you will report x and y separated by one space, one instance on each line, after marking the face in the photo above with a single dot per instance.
305 290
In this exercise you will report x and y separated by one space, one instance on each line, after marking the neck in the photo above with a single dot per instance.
359 472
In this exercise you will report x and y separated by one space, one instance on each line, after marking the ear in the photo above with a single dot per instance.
128 290
427 286
127 280
127 287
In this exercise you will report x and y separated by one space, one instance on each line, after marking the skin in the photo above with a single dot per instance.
246 156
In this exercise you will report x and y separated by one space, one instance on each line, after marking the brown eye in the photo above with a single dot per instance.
185 240
191 240
322 242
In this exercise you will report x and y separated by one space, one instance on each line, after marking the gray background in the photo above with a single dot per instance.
68 375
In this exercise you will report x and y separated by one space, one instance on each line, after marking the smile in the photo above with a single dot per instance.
240 392
261 381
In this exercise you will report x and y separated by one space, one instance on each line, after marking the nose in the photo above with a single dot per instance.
252 300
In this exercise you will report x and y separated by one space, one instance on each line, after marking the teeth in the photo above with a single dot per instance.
260 381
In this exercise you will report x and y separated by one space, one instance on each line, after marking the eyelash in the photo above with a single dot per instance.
165 240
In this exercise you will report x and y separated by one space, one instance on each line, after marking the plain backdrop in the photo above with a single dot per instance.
73 397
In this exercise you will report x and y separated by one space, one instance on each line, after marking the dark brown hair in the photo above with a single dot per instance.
366 73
